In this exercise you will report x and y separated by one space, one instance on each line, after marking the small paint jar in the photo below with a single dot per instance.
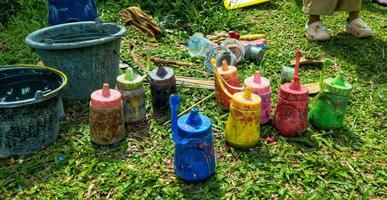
291 112
261 87
327 111
106 116
230 76
132 90
243 127
163 84
286 74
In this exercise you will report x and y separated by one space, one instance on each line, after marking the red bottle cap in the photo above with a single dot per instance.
258 83
105 97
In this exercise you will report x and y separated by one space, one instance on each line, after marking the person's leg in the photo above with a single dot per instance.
353 15
354 24
316 31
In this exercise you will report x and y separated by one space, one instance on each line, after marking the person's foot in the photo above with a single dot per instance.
316 31
358 28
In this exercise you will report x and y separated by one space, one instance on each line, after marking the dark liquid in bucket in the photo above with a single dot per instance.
25 89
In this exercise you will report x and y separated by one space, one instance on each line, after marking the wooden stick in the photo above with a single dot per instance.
172 62
188 109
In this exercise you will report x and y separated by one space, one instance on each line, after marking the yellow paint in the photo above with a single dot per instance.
242 127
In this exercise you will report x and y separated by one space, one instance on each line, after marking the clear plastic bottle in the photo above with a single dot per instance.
220 53
236 47
198 45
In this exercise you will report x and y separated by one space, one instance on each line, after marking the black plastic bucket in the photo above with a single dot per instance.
30 108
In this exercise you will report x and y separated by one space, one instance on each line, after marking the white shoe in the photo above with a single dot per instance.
316 31
358 28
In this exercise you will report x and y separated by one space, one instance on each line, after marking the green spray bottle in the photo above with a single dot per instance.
328 109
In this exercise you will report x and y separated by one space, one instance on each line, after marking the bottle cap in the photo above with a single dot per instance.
226 69
161 76
105 97
194 124
337 85
129 80
258 83
246 100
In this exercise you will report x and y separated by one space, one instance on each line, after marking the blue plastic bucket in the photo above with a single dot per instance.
87 52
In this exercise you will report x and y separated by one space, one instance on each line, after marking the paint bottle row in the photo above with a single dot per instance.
110 109
194 157
249 107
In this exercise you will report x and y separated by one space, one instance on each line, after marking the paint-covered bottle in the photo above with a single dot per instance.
243 124
131 87
229 75
163 84
291 112
106 116
327 111
261 86
242 127
194 157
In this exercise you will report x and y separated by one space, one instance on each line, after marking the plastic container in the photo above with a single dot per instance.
243 127
328 110
261 87
194 157
131 87
236 47
65 11
30 108
291 112
107 124
163 84
198 45
231 77
87 52
219 54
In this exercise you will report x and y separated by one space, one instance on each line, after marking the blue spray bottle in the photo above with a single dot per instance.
194 150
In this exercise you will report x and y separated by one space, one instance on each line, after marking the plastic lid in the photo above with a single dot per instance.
194 124
288 93
258 83
246 100
337 85
226 69
105 97
161 75
129 80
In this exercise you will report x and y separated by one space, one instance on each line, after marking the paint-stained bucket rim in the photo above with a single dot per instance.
31 38
46 96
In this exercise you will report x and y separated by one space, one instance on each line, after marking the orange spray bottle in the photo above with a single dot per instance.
229 75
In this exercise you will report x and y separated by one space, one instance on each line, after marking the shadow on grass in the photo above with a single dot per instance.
366 54
208 189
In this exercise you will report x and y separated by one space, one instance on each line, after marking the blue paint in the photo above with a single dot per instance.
194 150
64 11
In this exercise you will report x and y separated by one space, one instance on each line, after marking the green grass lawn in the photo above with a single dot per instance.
350 163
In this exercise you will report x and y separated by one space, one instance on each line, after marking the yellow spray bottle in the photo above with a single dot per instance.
243 124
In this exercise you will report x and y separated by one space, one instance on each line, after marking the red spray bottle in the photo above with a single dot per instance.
290 114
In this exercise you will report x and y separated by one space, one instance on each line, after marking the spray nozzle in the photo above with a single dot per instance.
129 74
257 77
247 93
295 83
224 65
105 90
339 79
